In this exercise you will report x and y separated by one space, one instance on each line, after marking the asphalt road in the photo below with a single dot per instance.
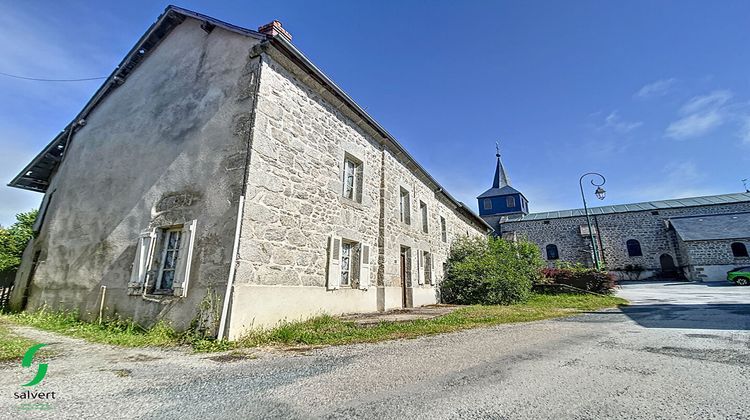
680 351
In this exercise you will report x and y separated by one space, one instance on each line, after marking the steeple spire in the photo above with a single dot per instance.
501 178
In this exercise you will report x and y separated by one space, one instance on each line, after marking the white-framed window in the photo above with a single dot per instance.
423 213
352 179
487 203
162 260
443 230
510 201
348 264
170 253
405 206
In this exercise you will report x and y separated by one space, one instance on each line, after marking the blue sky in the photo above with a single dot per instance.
655 95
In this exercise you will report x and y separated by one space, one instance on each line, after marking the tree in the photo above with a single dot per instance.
13 240
490 271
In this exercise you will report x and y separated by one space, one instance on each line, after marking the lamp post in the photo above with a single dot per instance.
600 194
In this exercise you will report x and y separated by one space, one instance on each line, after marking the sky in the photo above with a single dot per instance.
654 95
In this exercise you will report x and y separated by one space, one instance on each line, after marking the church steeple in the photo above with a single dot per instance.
502 199
501 178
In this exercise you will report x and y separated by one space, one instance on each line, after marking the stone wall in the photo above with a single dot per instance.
166 147
294 199
647 227
710 260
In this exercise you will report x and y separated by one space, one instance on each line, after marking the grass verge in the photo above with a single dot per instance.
327 330
12 346
322 330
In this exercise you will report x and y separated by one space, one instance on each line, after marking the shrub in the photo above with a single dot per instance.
581 277
490 271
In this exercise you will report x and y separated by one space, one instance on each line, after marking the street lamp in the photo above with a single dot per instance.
600 194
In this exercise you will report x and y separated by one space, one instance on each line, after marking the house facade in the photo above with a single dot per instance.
699 238
219 180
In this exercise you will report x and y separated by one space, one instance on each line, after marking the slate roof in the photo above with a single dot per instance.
493 192
712 227
635 207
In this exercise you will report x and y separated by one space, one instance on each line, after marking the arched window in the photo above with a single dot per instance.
634 248
552 253
739 249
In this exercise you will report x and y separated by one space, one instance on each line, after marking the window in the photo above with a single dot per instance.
739 249
487 204
552 253
510 202
162 260
405 207
423 212
634 248
171 239
352 183
443 230
346 263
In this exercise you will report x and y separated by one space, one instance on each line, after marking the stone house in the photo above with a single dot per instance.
700 238
218 178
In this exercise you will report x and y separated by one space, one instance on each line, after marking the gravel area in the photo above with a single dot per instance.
680 351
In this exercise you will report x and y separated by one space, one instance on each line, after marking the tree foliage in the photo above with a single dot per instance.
13 240
490 271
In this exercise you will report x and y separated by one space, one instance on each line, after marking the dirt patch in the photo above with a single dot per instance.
232 357
400 315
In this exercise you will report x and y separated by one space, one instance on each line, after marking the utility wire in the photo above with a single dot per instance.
51 80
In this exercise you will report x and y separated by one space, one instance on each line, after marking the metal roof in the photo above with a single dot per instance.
712 227
37 174
635 207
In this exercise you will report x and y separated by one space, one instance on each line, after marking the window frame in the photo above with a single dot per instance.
423 212
487 204
443 229
347 254
739 250
166 233
510 202
405 206
352 192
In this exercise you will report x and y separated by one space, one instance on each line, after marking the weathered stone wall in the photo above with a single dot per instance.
647 227
294 204
166 147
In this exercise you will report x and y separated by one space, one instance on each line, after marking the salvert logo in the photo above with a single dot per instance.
30 395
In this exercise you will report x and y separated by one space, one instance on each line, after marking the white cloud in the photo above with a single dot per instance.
678 180
701 115
657 88
614 122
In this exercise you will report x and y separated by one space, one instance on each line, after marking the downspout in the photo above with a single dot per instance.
230 281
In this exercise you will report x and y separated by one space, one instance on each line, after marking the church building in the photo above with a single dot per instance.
698 238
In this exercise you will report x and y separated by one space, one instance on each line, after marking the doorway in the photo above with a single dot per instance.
668 268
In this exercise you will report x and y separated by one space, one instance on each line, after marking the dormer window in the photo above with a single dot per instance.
510 202
487 204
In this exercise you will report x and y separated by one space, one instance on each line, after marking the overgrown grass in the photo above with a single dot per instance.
323 330
12 347
327 330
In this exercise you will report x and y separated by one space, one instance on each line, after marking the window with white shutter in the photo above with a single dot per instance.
184 259
420 267
427 259
364 267
142 261
334 262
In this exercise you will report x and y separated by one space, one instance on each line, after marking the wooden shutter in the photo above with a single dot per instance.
420 267
432 270
184 259
144 253
364 267
334 262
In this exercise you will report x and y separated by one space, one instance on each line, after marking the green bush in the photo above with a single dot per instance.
581 277
490 271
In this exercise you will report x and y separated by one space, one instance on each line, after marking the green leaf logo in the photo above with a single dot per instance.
28 358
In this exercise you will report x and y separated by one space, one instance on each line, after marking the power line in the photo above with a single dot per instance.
51 80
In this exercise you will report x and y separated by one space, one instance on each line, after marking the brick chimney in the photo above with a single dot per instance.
274 28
